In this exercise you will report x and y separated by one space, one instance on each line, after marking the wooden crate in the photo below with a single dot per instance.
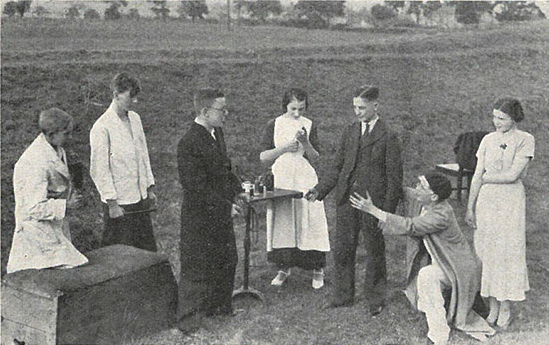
122 294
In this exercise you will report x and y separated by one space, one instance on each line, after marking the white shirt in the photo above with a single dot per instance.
372 123
119 161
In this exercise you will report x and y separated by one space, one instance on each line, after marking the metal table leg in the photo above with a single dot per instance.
246 290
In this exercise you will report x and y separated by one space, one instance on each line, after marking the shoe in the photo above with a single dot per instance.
430 342
491 321
337 304
505 325
190 324
280 278
318 279
376 309
478 336
226 312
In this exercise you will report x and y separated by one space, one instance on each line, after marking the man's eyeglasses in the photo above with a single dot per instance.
225 111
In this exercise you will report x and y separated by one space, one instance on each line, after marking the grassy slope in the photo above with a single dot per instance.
434 86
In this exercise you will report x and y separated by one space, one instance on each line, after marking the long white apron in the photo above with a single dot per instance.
295 223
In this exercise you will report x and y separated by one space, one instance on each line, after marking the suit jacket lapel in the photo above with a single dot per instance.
377 133
354 143
220 139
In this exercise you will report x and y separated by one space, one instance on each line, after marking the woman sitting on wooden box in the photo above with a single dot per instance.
42 189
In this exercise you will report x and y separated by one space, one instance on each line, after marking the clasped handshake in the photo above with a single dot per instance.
357 201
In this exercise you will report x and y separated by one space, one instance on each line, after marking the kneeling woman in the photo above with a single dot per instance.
297 230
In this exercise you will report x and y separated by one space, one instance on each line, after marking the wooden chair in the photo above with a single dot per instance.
465 149
454 170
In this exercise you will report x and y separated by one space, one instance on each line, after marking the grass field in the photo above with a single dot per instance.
434 85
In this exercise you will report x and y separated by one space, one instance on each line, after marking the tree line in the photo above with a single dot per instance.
303 13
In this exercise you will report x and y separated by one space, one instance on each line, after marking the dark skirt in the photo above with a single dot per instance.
285 258
131 229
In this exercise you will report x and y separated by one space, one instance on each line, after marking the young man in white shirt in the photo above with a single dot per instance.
121 169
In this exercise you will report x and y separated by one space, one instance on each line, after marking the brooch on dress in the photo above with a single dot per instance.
503 146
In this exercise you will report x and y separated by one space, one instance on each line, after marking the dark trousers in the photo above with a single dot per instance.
131 229
350 222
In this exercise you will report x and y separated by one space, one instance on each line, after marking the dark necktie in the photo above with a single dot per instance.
367 130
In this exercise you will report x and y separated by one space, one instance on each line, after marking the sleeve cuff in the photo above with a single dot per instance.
59 208
382 216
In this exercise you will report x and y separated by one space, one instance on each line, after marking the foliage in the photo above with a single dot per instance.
91 14
195 9
160 9
415 9
40 11
418 8
429 7
133 13
506 11
319 13
73 11
469 12
382 12
113 11
17 7
10 8
395 5
23 6
261 9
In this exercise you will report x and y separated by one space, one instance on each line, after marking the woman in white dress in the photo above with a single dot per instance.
496 208
297 230
42 189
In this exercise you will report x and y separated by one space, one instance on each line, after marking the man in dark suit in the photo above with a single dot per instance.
210 189
369 159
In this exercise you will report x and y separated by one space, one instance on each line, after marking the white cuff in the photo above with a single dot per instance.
59 208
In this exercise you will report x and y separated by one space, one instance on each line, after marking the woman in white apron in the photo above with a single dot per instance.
297 230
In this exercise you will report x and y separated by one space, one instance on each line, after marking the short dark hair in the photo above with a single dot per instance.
439 184
204 98
510 106
367 92
54 120
294 93
123 82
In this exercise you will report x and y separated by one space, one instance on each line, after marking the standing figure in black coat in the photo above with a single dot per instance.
210 189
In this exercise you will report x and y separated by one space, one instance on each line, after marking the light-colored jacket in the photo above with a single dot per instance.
439 229
41 184
119 162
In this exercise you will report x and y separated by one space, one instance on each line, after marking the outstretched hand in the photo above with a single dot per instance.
361 203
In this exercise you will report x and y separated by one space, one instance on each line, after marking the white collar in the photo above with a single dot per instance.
201 123
370 123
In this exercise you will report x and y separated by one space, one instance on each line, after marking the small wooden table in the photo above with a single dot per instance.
268 196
